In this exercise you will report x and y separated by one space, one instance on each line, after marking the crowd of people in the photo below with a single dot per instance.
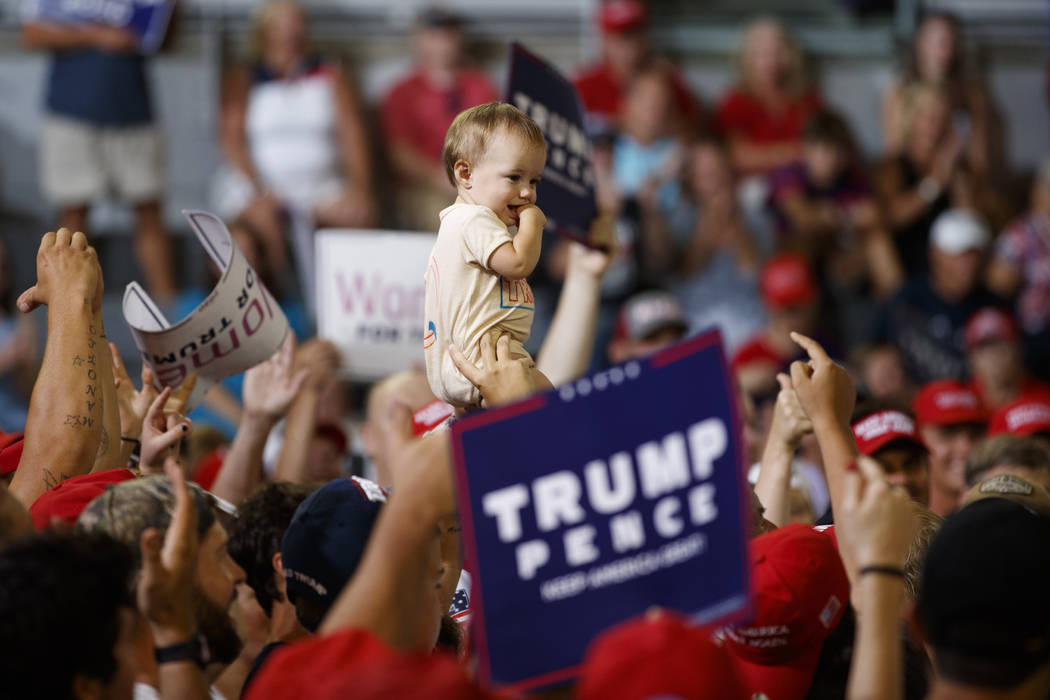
886 324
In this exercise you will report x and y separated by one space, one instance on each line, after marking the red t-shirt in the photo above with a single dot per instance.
418 114
740 114
602 95
354 663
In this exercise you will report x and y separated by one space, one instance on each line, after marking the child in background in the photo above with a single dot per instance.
475 281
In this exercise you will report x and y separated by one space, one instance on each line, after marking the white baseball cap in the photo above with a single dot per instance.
957 231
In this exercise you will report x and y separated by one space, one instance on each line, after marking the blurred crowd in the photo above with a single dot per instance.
886 319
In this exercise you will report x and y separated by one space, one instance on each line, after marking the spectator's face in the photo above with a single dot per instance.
949 447
217 577
823 161
709 169
935 49
285 32
324 460
625 51
647 108
955 273
506 176
996 363
439 48
624 350
798 318
883 373
908 468
765 55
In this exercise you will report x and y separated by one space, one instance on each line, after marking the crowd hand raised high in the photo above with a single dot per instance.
500 379
824 388
790 420
595 259
162 430
271 385
876 521
67 270
133 404
320 358
164 589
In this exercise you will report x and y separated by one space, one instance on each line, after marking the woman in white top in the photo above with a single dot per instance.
294 137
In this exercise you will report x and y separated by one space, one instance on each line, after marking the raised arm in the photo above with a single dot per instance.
269 389
517 258
826 392
65 413
566 351
393 589
790 423
876 524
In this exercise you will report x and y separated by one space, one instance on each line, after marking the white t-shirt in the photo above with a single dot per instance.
465 298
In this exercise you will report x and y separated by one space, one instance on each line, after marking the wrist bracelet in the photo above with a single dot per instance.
134 440
195 650
886 570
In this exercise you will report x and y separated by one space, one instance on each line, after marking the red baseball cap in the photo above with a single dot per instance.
1023 417
756 352
874 432
989 325
660 656
787 280
67 499
11 445
622 15
948 402
800 592
355 663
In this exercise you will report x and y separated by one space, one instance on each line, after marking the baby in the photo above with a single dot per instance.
475 281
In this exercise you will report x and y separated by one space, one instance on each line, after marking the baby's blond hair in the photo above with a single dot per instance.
468 137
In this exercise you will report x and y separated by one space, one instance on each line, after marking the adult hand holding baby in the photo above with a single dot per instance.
501 378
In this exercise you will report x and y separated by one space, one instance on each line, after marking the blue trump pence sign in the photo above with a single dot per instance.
566 192
590 504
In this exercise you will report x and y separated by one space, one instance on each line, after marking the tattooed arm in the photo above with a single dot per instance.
65 412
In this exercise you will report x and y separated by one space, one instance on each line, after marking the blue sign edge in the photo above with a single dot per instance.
534 403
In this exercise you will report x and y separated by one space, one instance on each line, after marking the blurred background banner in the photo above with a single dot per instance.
148 19
566 192
370 298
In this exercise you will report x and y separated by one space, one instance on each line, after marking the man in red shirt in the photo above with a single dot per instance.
625 52
995 355
418 111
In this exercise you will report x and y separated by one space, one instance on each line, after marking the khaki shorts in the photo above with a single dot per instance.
81 163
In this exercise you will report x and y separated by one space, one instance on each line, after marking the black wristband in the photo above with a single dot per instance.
127 439
192 650
886 570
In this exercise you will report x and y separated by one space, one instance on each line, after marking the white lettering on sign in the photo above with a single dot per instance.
667 469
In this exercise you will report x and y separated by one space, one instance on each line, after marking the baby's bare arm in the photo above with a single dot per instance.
517 259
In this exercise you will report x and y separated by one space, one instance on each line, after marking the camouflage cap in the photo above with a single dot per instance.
126 510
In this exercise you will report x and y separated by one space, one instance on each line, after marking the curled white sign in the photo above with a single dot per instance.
238 326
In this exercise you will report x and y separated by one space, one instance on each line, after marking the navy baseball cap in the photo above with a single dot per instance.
327 538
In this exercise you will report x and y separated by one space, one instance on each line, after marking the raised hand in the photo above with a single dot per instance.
67 270
165 586
161 430
133 403
501 378
270 386
824 388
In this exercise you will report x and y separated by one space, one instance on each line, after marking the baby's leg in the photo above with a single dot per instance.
540 380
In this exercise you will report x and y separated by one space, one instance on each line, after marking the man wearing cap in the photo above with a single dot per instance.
800 593
982 610
951 421
790 295
129 512
925 319
993 348
419 109
1023 417
648 322
625 52
887 434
